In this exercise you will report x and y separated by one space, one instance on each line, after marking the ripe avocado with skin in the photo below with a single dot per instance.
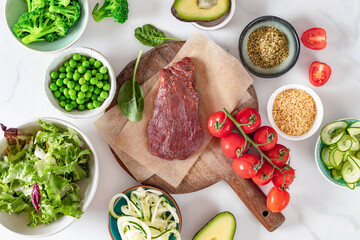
199 10
221 227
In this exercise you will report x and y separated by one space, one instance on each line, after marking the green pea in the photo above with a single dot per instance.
106 76
77 87
81 69
62 69
106 87
92 61
103 70
97 90
66 92
59 82
82 81
69 107
91 88
69 69
88 95
99 76
87 76
54 75
57 94
53 87
93 81
93 72
75 105
97 64
85 64
62 103
94 97
70 85
62 98
81 107
104 94
68 101
81 95
67 97
66 80
79 64
72 92
76 57
96 104
72 63
70 75
66 64
76 76
90 105
62 75
100 84
85 88
87 100
83 58
80 100
76 71
100 99
73 97
88 71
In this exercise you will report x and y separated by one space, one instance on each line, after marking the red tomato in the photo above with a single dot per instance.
277 200
279 155
233 145
244 165
319 73
279 179
314 38
219 126
264 175
265 137
249 116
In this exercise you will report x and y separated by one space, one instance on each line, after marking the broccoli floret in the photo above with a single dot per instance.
36 25
35 4
118 9
70 13
61 2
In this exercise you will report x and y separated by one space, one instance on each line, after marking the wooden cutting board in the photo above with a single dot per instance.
212 166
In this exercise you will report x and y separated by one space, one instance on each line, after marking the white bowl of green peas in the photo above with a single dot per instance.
80 82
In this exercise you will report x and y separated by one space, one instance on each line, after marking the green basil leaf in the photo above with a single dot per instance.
151 36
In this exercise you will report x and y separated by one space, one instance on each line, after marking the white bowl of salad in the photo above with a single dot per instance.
49 173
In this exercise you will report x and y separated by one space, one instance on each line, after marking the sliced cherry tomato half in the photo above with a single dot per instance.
264 175
279 179
245 166
277 200
233 145
266 138
219 125
249 116
314 38
279 155
319 73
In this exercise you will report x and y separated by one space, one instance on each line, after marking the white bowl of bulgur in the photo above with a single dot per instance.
295 111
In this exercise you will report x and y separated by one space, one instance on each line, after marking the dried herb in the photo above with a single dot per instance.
267 47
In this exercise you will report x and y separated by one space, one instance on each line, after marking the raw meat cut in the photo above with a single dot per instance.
174 131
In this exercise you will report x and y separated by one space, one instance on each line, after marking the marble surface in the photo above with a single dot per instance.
318 209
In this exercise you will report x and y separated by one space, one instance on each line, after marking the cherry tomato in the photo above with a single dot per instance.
279 155
319 73
264 174
314 38
278 178
249 116
277 200
266 138
219 126
244 165
233 145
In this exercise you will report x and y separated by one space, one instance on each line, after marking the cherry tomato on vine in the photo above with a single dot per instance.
319 73
249 116
266 138
263 175
314 38
279 155
245 165
279 179
277 200
233 145
219 125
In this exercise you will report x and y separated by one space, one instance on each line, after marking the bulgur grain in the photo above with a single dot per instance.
294 111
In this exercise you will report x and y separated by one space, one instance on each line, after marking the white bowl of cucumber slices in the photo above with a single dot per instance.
337 152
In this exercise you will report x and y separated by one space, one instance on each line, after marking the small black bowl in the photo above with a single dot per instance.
293 44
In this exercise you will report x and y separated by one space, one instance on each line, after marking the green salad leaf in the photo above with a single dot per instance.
42 168
151 36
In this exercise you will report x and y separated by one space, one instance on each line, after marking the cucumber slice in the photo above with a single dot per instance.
332 146
351 185
340 166
355 124
336 174
331 158
338 157
356 145
333 132
345 143
325 157
350 171
353 131
357 155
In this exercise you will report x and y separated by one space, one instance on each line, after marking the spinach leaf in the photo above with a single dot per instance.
131 97
151 36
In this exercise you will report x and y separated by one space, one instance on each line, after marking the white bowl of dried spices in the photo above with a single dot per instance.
269 46
295 111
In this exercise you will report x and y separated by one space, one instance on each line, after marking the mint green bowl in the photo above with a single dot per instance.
323 169
15 8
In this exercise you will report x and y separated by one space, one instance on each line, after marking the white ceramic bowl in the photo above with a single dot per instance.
57 62
319 111
212 25
18 223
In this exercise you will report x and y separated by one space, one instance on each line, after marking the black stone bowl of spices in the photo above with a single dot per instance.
269 47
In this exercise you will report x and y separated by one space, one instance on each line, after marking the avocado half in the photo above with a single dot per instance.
221 227
200 10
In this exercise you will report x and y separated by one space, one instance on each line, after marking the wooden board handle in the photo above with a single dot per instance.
255 201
